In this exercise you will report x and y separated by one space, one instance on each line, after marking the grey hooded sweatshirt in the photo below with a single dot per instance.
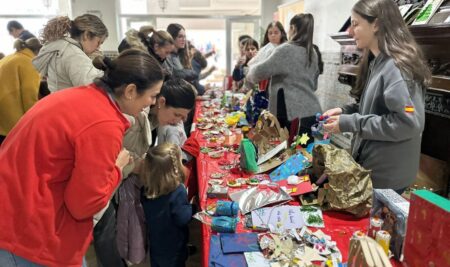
65 64
388 125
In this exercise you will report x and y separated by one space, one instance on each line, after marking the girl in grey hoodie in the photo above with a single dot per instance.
389 117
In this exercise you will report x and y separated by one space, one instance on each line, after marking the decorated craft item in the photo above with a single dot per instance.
216 154
383 238
375 224
217 175
249 156
292 166
217 191
215 182
268 133
390 210
233 118
312 216
317 128
233 183
226 208
252 181
349 185
205 126
259 196
365 251
224 224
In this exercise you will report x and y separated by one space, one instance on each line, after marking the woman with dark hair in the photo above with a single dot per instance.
389 117
56 177
20 84
274 36
176 100
294 69
179 61
251 48
171 129
64 58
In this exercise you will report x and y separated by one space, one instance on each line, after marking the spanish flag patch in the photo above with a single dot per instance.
409 109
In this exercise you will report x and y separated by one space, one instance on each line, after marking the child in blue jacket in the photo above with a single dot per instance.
166 206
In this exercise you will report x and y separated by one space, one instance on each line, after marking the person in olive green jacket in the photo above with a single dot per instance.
20 84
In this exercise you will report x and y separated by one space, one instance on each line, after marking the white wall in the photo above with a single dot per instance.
108 13
329 16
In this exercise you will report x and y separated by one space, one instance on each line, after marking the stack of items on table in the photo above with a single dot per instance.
271 229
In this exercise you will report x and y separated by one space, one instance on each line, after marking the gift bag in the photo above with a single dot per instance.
349 185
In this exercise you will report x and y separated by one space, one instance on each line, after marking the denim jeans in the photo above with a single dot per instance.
7 259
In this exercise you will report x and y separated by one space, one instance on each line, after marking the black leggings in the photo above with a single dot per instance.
105 243
305 122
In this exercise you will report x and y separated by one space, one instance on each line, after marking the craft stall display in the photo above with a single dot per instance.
251 183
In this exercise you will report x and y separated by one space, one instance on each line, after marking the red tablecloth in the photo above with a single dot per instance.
338 225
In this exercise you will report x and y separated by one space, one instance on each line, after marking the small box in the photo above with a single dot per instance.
393 209
427 237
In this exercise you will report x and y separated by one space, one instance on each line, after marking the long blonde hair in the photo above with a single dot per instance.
162 170
62 26
394 40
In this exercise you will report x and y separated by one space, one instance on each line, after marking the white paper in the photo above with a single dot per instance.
281 217
404 9
256 259
272 153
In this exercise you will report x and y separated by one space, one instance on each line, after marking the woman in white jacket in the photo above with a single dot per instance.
64 58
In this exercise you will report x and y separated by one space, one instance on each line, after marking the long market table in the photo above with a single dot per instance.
340 226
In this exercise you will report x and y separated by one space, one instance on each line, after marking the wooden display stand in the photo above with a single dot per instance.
435 42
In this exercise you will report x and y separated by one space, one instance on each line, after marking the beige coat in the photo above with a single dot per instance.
65 64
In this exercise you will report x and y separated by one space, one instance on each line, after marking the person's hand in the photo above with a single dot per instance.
241 61
123 159
332 125
332 112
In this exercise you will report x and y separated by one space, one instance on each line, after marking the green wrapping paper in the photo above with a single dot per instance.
349 184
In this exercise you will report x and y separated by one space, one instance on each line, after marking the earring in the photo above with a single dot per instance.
159 107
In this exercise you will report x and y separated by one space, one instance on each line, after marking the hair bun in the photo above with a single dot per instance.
103 63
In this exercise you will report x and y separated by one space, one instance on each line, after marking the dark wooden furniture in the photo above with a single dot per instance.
435 43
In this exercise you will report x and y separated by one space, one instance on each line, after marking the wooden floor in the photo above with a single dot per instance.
193 261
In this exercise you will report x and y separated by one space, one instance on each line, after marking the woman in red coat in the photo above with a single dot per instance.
63 160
